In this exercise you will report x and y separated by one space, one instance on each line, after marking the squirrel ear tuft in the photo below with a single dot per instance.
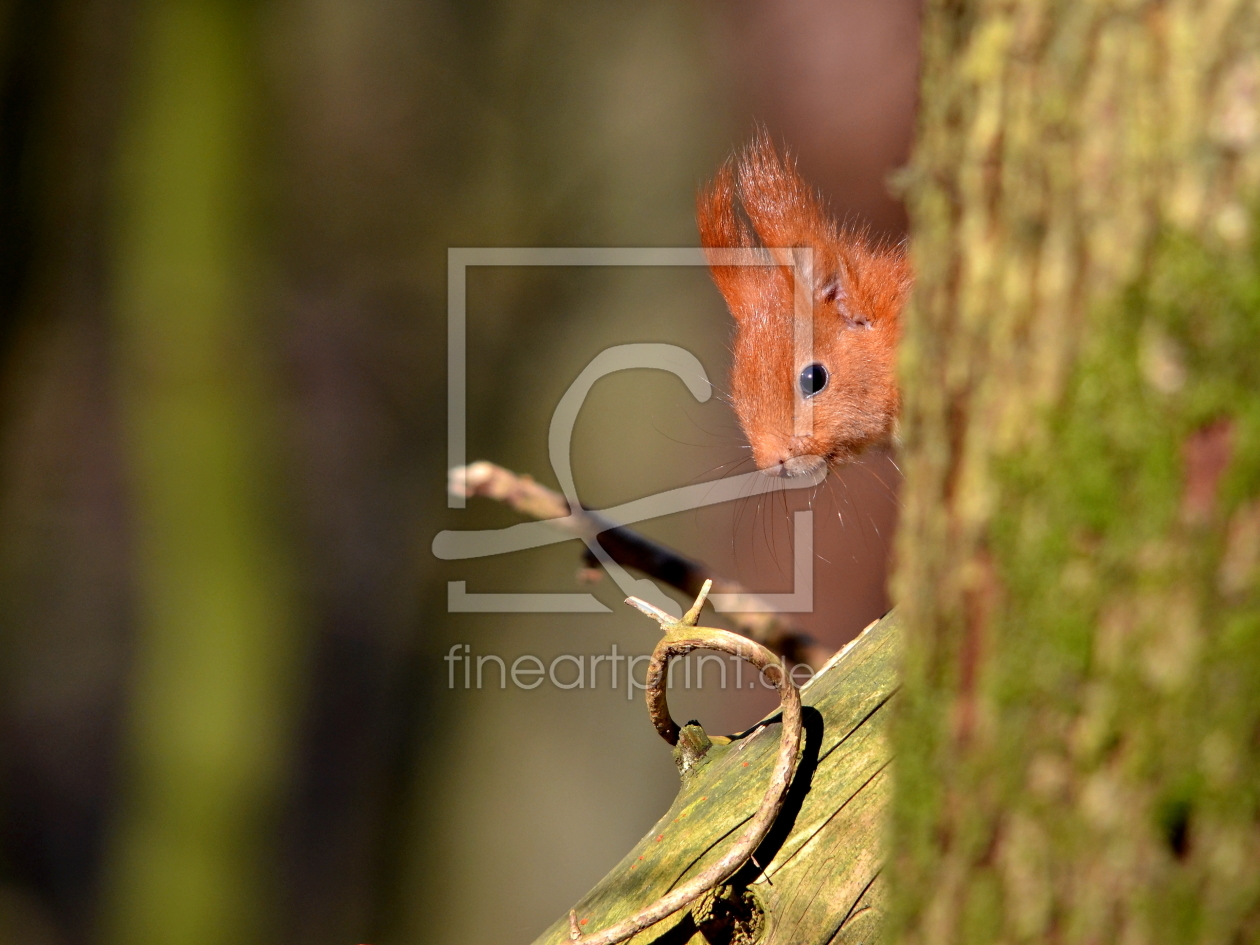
783 209
722 228
758 201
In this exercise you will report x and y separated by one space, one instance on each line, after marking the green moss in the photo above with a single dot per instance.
1111 647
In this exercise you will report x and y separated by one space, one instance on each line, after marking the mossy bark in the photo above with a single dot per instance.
1078 735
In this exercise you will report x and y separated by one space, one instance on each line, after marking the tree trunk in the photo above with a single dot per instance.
1078 737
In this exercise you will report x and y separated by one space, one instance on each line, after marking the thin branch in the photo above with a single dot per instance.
629 549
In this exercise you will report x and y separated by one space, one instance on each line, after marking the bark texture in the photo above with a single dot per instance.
1078 738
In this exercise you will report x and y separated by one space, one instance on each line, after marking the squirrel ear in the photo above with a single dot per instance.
783 210
722 228
834 295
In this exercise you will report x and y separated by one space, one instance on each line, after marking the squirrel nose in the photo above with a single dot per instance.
772 460
775 469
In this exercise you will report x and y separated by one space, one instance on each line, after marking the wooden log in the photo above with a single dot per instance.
816 878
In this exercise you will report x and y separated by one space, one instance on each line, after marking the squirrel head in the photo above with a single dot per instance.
817 322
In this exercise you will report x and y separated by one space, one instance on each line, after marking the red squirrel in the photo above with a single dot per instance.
858 290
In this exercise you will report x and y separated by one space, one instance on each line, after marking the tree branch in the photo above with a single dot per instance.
759 620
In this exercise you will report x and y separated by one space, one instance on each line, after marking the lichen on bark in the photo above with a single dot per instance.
1078 744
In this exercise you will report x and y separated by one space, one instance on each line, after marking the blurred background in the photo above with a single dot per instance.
224 710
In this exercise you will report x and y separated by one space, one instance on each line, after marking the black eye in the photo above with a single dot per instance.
813 379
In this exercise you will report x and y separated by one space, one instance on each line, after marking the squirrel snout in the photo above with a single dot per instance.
788 465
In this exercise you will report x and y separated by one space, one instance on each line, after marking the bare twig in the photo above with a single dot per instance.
629 549
681 637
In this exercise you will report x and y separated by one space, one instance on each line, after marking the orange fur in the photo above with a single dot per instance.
859 289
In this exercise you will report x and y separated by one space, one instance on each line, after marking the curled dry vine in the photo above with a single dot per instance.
681 637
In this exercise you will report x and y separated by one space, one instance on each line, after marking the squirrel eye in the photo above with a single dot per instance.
813 379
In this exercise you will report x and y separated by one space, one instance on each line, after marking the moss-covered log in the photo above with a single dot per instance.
1078 743
817 876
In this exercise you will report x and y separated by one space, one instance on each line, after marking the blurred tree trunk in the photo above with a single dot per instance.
208 737
64 551
1078 748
